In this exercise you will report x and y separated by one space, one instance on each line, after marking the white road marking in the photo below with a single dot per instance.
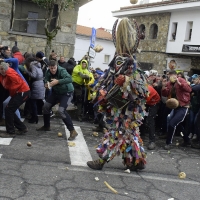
80 154
5 141
156 177
2 128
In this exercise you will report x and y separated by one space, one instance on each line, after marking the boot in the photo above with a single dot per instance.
2 122
46 126
46 118
73 135
96 164
34 119
97 129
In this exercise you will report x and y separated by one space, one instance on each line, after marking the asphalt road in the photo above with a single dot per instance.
51 170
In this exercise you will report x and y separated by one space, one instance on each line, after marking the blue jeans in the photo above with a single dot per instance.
4 106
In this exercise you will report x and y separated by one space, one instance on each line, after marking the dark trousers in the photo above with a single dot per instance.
4 94
36 106
165 113
197 125
64 100
175 120
11 118
149 122
78 98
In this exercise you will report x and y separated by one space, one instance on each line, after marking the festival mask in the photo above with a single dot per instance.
119 63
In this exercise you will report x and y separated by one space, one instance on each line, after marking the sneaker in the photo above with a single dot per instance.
190 135
194 136
151 146
52 114
167 147
43 128
96 164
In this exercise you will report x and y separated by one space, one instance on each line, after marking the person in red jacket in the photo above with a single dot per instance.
19 92
17 54
179 89
152 105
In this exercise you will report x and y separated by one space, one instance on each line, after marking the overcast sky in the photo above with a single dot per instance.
98 14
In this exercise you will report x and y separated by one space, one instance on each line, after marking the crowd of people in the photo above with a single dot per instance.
178 112
45 83
41 83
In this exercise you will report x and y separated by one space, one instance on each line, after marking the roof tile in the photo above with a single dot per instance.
101 33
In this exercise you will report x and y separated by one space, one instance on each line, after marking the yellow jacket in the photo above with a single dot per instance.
75 74
91 81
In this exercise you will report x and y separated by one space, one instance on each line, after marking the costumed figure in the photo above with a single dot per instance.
121 96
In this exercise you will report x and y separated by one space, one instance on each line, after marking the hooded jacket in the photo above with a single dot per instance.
14 66
65 81
75 74
13 82
36 82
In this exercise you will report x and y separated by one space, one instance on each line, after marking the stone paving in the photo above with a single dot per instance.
44 171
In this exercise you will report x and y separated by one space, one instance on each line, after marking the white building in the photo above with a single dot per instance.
103 38
177 33
185 25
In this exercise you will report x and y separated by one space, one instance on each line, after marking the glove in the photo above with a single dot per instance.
84 76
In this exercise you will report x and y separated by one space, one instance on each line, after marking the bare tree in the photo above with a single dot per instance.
48 5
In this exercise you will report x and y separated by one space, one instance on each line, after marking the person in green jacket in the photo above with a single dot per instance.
60 81
80 76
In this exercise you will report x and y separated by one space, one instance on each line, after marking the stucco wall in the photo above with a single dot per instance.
181 18
82 46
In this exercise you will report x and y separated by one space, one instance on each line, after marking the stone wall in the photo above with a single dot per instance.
153 50
63 44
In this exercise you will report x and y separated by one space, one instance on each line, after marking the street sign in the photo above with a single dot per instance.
93 38
92 53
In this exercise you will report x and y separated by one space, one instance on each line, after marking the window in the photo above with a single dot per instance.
153 33
142 31
30 18
188 33
106 58
173 31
